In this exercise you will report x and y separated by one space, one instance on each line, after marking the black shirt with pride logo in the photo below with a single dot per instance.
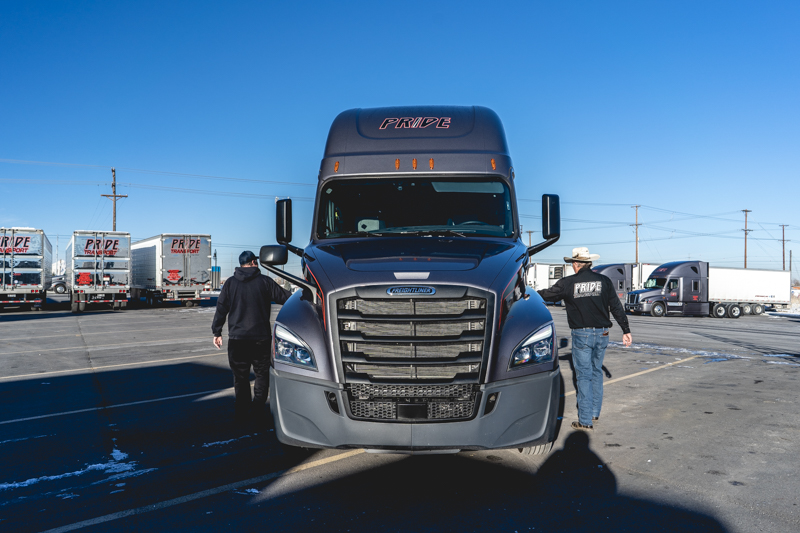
588 297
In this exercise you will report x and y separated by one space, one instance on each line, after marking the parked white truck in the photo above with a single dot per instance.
544 275
695 288
25 267
171 267
98 269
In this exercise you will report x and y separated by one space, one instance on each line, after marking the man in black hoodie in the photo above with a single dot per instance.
245 298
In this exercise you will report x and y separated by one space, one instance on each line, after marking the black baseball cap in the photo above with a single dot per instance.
246 257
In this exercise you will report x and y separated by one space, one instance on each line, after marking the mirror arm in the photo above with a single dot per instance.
292 279
294 249
536 248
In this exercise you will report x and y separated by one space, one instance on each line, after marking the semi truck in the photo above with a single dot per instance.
415 330
171 267
696 288
98 269
626 277
25 267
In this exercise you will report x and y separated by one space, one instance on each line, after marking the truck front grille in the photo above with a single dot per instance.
438 402
633 298
412 358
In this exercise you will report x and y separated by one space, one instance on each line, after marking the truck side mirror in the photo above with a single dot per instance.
551 224
283 221
274 254
551 216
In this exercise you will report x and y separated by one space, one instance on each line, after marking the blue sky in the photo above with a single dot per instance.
689 109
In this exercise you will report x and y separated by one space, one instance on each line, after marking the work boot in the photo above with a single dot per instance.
579 426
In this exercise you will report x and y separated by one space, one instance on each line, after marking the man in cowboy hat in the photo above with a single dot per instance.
588 297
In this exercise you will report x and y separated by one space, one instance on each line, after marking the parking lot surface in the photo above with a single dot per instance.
122 421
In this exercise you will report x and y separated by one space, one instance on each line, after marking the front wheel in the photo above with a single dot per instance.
60 289
542 449
658 310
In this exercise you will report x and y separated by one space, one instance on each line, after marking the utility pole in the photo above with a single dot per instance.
783 240
637 231
114 196
746 231
529 238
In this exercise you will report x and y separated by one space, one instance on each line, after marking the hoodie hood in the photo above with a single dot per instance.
246 274
428 260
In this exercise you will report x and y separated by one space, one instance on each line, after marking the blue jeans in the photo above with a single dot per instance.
588 350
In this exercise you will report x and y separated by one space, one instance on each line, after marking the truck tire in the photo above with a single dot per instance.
82 306
758 309
746 309
542 449
188 303
73 304
658 310
719 311
733 311
60 289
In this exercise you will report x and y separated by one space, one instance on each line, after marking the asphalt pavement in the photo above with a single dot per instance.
122 421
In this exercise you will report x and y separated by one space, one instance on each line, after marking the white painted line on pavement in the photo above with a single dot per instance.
93 368
90 409
203 494
610 381
145 343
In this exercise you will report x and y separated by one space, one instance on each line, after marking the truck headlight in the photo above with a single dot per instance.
290 349
537 348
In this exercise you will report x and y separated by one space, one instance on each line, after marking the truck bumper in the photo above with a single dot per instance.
643 308
525 414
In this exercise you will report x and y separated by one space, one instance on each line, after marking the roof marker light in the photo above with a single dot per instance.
431 163
414 164
397 164
494 165
336 166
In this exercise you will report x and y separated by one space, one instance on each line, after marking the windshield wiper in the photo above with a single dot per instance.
436 232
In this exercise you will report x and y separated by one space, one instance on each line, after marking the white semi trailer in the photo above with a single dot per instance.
25 267
98 269
545 275
171 267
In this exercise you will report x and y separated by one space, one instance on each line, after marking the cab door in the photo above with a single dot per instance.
672 295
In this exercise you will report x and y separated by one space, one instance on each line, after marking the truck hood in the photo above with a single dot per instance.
416 260
646 293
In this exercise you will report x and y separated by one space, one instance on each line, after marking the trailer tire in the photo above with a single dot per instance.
758 309
719 311
746 309
733 311
188 303
658 310
542 449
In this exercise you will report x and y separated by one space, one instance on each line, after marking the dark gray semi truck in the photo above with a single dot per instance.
415 330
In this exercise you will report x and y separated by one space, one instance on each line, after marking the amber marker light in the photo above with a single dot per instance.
336 166
431 163
414 164
397 164
494 165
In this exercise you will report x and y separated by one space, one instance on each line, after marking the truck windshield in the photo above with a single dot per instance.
655 283
420 206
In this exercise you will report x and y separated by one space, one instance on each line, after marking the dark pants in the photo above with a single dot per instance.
242 354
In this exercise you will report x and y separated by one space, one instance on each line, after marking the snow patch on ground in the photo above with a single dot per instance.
119 470
224 442
787 363
247 491
23 438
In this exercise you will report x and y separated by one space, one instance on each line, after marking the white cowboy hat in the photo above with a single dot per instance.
581 255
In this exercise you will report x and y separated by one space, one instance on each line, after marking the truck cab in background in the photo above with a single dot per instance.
626 277
695 288
415 331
